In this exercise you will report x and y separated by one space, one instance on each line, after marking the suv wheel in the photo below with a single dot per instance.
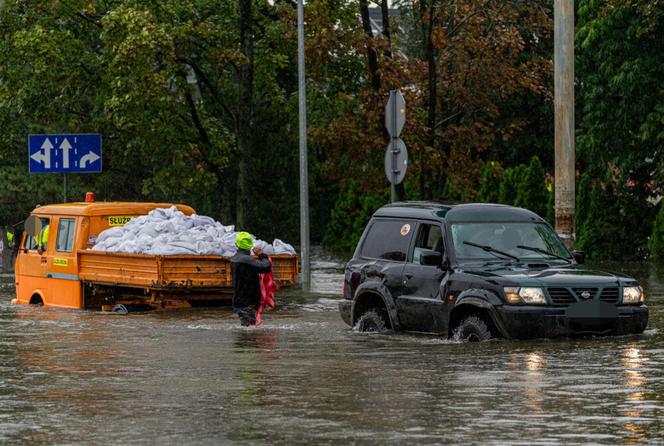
371 321
472 329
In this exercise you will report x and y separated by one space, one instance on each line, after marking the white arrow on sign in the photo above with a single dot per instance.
90 157
66 147
46 156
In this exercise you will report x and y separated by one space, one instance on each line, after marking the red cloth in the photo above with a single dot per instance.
268 288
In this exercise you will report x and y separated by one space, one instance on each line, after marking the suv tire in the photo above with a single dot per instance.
371 321
472 329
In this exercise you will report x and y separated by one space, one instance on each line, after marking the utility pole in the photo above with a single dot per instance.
304 168
565 175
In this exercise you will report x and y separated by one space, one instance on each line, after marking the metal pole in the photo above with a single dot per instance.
65 187
565 175
304 168
393 185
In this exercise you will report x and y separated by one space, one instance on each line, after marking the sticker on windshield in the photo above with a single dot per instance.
405 229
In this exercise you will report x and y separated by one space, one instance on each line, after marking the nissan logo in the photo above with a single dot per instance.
585 294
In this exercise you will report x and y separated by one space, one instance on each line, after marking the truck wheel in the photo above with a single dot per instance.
36 301
120 309
472 329
371 321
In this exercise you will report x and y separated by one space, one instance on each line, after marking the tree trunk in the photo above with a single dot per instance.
385 12
245 112
430 53
372 57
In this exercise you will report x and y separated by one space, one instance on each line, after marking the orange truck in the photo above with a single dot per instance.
56 268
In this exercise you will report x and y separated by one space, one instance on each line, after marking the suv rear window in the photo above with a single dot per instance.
388 239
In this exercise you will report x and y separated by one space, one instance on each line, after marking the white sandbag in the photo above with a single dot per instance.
282 247
115 231
167 231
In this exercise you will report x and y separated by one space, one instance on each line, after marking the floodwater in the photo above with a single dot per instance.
197 377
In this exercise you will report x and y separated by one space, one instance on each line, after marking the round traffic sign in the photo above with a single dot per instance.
396 161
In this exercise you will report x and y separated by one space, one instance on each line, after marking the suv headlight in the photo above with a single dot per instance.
527 295
633 295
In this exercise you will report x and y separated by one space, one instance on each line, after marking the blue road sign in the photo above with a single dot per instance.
64 153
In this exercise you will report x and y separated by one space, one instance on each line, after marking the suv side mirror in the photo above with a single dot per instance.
430 257
579 256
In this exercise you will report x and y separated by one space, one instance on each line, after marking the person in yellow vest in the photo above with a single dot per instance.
42 238
10 238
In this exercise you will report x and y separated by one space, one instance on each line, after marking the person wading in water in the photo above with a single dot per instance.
246 284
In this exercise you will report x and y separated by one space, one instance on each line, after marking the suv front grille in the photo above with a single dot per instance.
609 295
566 296
561 296
589 293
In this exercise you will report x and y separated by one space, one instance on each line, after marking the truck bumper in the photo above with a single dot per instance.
530 322
345 307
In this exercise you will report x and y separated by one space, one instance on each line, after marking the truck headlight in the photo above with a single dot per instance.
633 295
527 295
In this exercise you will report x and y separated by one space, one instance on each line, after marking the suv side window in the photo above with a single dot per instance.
429 237
388 239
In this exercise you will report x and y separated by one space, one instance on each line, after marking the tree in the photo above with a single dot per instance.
462 61
531 189
657 237
620 65
187 94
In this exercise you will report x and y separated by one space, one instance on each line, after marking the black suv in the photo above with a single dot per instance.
477 271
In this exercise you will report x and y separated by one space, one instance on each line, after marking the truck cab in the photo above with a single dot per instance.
47 264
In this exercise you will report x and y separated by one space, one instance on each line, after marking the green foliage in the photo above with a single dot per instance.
21 193
161 81
489 191
531 189
610 225
351 213
509 185
657 237
521 185
620 60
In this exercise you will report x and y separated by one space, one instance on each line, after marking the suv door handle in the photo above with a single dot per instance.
408 275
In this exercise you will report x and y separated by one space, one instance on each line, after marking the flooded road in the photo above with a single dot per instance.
197 377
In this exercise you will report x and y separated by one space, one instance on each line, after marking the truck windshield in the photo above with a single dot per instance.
511 238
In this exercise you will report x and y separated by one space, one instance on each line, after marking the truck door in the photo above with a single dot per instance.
62 264
421 306
32 264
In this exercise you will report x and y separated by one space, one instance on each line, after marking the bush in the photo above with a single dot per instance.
523 186
492 175
351 213
531 192
611 222
657 237
509 184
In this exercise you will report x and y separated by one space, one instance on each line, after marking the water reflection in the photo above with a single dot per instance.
530 372
635 381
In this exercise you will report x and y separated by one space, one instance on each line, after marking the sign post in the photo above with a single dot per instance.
65 153
396 155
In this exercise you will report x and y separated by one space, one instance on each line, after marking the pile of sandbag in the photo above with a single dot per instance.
167 231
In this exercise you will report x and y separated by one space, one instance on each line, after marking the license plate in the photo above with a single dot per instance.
592 310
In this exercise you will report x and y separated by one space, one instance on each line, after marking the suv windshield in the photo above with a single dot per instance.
522 240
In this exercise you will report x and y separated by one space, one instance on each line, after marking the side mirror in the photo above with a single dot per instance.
430 257
33 225
579 256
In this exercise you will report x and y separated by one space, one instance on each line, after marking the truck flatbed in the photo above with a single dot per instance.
170 272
